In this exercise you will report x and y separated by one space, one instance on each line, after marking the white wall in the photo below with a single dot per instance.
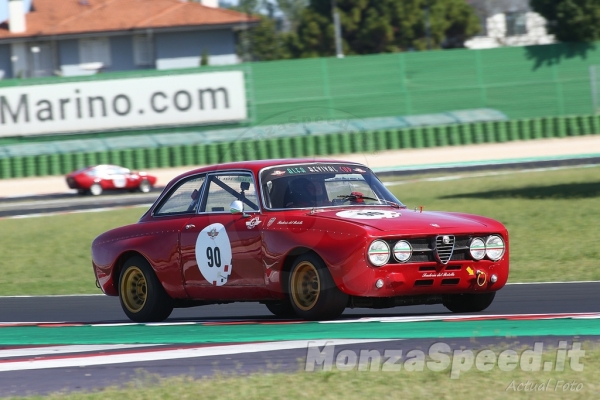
496 33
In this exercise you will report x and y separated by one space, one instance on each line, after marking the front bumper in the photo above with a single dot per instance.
429 278
72 183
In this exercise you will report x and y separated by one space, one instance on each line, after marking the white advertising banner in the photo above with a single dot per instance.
198 98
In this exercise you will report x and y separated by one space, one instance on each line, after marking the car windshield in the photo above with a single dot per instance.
318 185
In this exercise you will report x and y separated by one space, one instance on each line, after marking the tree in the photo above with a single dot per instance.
265 43
571 20
314 37
262 41
204 57
249 6
292 10
381 26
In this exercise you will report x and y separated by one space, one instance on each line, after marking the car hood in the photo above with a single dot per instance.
388 219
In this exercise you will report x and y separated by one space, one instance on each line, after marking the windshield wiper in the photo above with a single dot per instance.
355 196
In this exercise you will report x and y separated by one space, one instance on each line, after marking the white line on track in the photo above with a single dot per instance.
158 355
436 317
91 210
464 317
62 350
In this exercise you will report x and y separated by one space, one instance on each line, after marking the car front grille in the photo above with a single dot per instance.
444 247
427 249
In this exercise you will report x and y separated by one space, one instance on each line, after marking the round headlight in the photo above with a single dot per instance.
477 249
402 251
379 253
494 247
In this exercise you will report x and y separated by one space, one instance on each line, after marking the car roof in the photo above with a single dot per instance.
257 165
104 166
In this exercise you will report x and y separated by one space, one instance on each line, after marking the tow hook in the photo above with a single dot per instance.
481 277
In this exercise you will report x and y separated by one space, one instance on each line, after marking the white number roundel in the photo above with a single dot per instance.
213 254
119 181
368 214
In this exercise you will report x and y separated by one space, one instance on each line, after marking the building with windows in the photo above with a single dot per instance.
508 23
85 37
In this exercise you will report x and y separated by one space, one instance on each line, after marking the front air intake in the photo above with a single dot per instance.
444 247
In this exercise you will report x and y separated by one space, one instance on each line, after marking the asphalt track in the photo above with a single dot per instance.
205 354
68 202
20 357
519 298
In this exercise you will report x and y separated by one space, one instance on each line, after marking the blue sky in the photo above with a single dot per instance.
4 9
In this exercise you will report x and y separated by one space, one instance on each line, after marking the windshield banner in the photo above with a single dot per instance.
312 169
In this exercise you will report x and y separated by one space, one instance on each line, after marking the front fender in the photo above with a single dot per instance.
340 244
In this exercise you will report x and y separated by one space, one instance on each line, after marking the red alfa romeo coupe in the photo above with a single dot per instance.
307 238
96 180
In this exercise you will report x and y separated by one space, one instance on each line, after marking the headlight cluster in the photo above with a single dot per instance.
493 248
380 253
402 251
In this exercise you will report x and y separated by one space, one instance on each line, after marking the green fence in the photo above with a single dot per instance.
521 82
310 145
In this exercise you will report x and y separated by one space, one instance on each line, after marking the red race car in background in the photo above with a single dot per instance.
96 180
307 238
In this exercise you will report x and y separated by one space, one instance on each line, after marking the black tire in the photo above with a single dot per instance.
281 309
469 302
145 186
142 296
312 292
96 189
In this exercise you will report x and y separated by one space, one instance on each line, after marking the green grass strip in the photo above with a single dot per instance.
34 335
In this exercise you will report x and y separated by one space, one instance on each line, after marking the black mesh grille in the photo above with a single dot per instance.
424 249
444 246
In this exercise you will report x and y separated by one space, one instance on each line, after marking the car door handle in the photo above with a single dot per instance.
190 226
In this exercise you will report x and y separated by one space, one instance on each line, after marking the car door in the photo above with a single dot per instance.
221 254
113 178
132 180
170 217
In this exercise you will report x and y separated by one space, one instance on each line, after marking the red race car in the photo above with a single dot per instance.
307 238
96 180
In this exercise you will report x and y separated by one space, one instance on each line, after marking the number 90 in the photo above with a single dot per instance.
214 257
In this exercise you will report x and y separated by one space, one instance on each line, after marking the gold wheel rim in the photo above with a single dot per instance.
134 289
306 286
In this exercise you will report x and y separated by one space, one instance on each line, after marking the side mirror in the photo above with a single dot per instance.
236 207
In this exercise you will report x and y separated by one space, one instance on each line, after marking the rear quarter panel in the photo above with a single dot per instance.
157 242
